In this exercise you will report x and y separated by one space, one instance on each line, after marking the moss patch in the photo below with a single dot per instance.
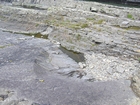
136 28
37 25
37 35
65 23
99 21
84 25
3 46
95 21
2 17
133 28
91 19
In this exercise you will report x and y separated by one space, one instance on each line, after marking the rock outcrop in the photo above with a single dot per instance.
107 35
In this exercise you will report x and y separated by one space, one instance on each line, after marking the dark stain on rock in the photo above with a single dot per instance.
78 74
96 42
76 56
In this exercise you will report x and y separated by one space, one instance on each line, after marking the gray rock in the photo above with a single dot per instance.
30 63
56 89
136 84
109 67
10 102
124 24
47 31
3 94
1 99
82 65
25 102
120 69
92 9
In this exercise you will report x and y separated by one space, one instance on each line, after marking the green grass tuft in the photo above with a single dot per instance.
91 19
100 21
84 25
129 16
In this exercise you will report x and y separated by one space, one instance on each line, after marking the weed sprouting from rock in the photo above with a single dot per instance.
130 16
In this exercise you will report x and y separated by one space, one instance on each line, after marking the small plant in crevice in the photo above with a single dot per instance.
37 25
130 16
91 19
84 25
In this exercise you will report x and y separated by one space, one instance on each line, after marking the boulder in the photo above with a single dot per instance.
92 9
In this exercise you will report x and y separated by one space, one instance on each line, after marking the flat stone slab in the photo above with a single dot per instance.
23 71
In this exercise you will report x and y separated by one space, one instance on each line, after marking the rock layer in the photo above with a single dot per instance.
40 73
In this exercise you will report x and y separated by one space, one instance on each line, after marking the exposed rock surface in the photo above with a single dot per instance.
37 70
108 68
29 70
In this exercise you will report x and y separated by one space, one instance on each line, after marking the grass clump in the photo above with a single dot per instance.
130 16
37 25
99 21
84 25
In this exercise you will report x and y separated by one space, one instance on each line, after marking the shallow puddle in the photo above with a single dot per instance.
76 56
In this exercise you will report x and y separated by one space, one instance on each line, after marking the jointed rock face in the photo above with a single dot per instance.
107 35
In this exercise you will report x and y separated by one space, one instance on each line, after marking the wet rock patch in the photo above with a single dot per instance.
78 57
